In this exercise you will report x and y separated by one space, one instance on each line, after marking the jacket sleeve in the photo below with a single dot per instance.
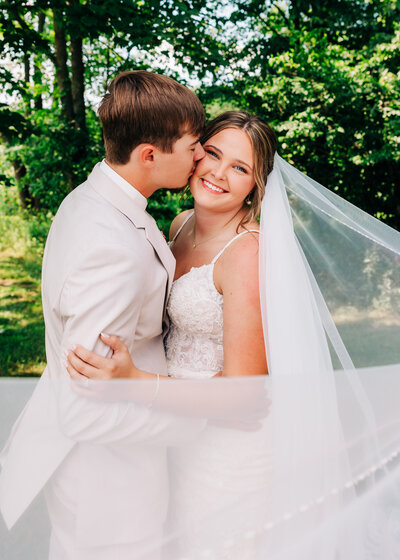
105 293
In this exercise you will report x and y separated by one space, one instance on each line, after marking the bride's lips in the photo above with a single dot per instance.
210 187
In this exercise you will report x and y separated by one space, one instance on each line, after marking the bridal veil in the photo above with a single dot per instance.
309 455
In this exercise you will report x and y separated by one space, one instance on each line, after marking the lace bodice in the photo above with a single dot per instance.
194 345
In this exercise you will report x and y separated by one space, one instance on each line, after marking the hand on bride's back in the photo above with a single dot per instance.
84 363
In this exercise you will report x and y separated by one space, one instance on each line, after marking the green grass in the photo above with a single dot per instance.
21 320
22 237
22 351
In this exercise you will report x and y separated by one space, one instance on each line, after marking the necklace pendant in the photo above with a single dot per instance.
194 245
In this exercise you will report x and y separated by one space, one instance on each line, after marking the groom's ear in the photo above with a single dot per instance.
146 154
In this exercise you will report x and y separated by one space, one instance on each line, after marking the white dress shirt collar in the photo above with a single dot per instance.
130 190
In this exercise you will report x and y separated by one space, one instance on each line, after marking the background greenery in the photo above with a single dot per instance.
325 75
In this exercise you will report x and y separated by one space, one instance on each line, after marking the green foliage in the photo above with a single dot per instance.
325 75
165 205
47 140
50 153
326 78
22 231
22 236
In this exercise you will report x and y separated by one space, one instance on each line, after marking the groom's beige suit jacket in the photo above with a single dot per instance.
106 268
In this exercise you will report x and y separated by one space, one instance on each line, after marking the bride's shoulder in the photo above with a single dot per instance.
236 273
245 247
178 221
241 257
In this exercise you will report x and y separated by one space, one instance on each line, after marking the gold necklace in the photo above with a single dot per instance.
194 244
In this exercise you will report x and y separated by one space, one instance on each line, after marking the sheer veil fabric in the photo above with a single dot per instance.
330 286
309 454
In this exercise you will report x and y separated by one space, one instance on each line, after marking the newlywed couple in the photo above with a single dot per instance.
108 269
239 300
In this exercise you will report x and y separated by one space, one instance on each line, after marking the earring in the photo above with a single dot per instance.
248 200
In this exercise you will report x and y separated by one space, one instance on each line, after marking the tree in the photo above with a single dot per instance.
71 44
325 75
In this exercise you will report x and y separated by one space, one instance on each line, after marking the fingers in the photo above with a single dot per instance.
81 367
113 342
90 358
74 374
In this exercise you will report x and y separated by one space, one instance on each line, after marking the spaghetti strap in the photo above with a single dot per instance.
181 226
231 241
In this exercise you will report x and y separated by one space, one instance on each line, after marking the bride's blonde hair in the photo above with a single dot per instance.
264 143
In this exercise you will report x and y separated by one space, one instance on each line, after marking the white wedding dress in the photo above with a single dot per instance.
225 464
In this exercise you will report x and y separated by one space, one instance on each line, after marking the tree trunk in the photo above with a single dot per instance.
63 81
25 197
77 83
20 171
27 79
27 68
37 74
78 90
23 191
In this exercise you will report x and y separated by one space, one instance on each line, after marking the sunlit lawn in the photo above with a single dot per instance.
21 321
22 351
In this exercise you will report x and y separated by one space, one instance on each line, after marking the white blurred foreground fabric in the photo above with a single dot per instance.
255 503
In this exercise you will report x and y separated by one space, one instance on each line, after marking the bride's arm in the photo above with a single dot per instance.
236 275
82 363
236 405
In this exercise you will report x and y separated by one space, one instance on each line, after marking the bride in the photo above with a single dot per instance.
328 281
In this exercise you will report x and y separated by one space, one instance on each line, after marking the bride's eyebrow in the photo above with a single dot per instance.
213 147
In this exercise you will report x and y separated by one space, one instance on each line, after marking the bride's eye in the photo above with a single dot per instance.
241 169
212 153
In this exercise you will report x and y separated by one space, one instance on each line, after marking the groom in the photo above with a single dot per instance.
106 268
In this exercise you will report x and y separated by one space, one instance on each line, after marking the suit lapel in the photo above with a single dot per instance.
103 185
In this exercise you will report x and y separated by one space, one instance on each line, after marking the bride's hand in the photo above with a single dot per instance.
84 363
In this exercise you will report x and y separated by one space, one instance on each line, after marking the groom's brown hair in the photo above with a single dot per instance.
142 107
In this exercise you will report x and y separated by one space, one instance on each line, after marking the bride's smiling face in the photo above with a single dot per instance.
225 176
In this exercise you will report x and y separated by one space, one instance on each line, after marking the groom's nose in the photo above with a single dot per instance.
199 152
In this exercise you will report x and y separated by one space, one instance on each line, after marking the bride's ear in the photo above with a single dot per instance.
249 198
